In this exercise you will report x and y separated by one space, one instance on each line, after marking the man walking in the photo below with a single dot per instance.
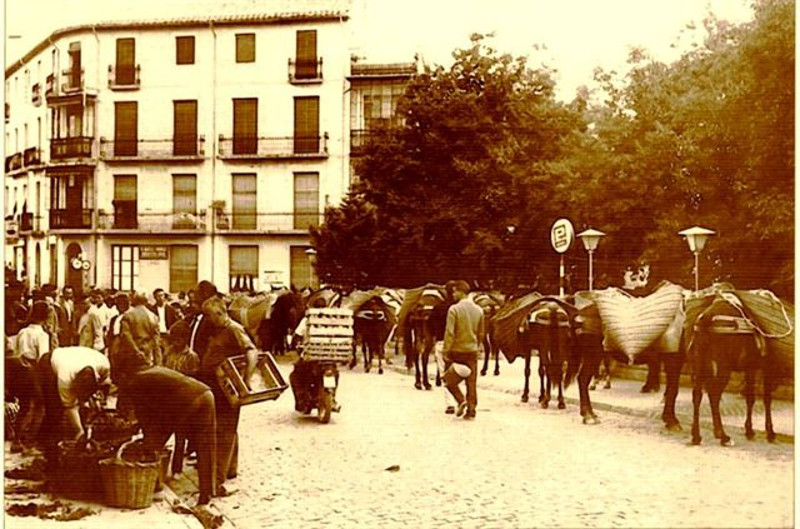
463 338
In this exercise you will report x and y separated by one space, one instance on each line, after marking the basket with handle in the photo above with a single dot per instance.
129 484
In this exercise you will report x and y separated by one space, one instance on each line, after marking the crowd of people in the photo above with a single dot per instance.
65 352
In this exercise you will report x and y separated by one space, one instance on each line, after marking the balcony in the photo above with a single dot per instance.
71 219
297 222
32 156
288 147
14 162
75 147
401 70
305 71
182 150
50 86
73 81
25 223
124 77
149 222
36 94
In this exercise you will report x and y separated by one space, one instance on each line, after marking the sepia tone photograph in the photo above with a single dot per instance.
369 263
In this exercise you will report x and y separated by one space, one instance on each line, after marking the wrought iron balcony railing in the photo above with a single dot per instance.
150 222
227 221
155 150
50 86
73 80
305 71
61 219
75 147
124 76
32 156
274 148
14 162
36 94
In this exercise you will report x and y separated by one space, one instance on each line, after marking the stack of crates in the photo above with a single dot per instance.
329 334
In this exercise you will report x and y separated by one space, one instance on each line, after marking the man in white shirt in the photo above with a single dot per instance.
32 343
167 316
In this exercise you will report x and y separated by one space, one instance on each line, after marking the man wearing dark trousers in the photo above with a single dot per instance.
463 339
184 406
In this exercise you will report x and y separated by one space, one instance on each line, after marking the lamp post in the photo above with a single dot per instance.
311 253
696 237
590 239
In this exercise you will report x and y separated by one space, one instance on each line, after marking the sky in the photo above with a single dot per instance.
579 35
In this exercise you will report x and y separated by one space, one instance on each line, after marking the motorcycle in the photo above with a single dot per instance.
314 384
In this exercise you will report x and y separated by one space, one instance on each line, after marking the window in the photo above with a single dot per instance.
125 73
124 267
125 128
306 200
306 54
306 124
184 50
184 141
125 209
243 267
301 273
182 268
74 79
245 126
245 47
244 202
184 201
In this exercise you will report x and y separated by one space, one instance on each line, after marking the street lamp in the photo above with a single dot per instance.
696 237
311 253
591 238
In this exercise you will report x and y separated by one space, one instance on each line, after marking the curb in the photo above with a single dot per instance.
684 418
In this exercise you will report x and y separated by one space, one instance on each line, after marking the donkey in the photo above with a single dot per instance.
721 341
423 323
371 326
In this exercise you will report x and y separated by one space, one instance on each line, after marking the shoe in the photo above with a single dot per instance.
469 416
461 409
450 410
225 491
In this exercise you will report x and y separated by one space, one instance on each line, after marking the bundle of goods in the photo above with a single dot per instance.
108 425
129 478
267 382
506 323
329 334
632 324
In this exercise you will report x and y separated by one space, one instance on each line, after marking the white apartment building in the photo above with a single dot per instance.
158 153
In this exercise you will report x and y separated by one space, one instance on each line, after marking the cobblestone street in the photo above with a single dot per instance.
515 466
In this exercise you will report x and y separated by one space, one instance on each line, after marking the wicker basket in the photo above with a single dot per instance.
129 484
78 472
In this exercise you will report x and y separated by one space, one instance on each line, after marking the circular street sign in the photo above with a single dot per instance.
561 235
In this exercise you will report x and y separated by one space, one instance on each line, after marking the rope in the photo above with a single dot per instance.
737 303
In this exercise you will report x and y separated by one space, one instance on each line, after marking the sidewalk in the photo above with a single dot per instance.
625 397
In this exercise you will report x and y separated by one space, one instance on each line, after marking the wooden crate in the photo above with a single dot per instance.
329 334
231 376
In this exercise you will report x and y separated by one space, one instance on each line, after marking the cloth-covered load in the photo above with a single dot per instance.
506 323
430 294
250 311
632 324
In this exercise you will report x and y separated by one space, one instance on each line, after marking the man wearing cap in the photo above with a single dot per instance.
463 339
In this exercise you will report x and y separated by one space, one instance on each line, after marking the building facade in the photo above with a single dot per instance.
159 153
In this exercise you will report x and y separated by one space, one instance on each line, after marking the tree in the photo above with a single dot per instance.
436 197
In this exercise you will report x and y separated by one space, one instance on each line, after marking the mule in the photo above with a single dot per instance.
724 341
490 305
372 323
422 319
286 312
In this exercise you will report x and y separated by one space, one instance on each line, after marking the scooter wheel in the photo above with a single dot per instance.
325 407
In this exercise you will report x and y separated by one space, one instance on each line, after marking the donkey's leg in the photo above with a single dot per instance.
496 359
769 387
541 372
750 398
591 362
426 355
697 398
544 376
486 354
417 374
380 357
673 362
525 391
561 404
719 384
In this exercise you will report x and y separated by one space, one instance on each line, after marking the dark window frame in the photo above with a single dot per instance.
184 49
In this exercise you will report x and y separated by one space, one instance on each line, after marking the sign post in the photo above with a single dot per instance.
561 236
